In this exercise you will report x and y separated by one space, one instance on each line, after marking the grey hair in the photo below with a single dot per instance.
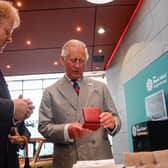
7 10
74 42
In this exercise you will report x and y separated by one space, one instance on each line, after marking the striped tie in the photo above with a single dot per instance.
76 86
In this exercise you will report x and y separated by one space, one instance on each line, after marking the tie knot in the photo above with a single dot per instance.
76 86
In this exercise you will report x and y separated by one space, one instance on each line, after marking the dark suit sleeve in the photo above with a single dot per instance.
6 110
23 130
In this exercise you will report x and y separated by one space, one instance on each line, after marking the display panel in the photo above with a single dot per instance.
156 106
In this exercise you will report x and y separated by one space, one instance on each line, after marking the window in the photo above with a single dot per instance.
32 86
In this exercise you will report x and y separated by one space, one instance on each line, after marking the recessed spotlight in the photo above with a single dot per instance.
18 4
55 63
8 66
28 42
99 1
101 30
97 68
100 50
78 29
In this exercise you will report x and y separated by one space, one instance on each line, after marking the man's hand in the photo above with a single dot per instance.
30 108
16 138
20 109
107 120
76 131
23 108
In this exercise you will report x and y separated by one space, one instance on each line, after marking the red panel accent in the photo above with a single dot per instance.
122 36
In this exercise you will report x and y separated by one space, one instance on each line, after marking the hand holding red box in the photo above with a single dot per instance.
91 117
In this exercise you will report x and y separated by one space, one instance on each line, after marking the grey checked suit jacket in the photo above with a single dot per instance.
61 105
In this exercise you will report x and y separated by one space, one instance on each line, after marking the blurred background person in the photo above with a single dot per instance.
12 112
60 114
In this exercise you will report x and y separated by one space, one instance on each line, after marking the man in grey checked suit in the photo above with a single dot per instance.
60 113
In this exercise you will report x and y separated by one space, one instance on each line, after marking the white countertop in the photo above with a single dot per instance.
108 163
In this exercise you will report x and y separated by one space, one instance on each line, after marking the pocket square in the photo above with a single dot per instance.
91 117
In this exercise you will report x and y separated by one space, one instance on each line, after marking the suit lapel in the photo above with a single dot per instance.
2 80
4 92
66 90
86 91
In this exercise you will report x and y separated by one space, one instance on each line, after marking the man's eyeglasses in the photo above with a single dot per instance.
75 61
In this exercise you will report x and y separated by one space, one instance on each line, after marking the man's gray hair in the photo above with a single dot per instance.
74 42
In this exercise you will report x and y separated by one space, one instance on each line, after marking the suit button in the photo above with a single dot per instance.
93 141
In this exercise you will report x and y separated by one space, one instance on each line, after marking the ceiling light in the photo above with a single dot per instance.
97 68
100 51
55 63
101 30
19 4
28 42
99 1
78 29
8 66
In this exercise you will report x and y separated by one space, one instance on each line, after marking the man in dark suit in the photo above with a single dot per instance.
12 112
61 118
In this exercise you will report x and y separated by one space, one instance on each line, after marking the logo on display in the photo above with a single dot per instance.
156 81
149 84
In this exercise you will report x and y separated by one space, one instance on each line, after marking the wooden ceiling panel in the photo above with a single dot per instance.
113 19
50 23
52 4
50 29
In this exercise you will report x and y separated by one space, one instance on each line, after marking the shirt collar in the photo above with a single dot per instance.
70 80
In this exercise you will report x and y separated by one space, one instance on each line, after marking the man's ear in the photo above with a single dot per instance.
62 60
